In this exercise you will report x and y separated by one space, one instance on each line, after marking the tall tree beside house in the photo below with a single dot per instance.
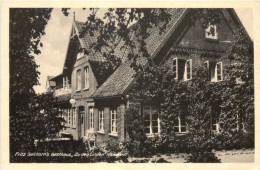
47 117
26 29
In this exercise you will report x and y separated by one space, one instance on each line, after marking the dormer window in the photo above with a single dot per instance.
80 55
211 32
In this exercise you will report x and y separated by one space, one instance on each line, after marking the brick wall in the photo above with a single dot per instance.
195 37
107 105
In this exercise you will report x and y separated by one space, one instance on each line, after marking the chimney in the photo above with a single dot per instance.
73 16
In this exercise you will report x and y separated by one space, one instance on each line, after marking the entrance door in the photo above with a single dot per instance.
82 120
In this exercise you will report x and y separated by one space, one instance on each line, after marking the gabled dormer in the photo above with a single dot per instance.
83 64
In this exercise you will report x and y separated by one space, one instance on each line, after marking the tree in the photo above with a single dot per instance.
47 120
26 29
237 118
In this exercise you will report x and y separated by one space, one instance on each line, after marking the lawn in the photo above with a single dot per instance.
233 156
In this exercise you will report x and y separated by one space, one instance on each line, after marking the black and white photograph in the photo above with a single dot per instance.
131 85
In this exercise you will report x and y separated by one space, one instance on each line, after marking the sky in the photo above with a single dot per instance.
55 41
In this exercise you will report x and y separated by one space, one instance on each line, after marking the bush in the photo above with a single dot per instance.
236 140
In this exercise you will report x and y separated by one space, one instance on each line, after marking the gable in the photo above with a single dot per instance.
121 80
195 37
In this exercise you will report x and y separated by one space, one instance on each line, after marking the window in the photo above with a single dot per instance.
101 120
151 120
206 65
60 113
80 55
240 122
215 118
78 80
218 71
211 32
86 78
188 70
215 72
65 114
178 68
69 116
180 126
66 82
113 121
91 118
74 116
175 68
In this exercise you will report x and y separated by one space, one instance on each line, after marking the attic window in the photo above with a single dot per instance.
211 32
80 55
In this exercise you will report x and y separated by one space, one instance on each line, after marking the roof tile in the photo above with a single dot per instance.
118 82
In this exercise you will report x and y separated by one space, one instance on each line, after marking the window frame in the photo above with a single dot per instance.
215 119
78 80
69 117
91 118
186 70
151 133
217 125
64 82
181 125
207 36
206 63
216 72
86 78
80 55
176 70
113 126
74 113
101 120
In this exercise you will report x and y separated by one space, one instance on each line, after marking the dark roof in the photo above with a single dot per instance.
119 81
51 83
53 78
87 41
49 77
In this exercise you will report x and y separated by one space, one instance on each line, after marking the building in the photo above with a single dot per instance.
94 102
